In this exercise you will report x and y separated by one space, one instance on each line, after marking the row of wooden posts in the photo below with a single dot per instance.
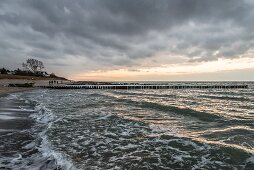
128 87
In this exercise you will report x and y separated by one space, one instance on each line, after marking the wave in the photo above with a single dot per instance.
45 118
234 98
220 96
109 135
145 94
205 116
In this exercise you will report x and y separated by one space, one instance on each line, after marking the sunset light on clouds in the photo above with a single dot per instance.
127 84
187 71
131 40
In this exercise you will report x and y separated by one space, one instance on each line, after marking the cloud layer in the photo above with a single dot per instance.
88 35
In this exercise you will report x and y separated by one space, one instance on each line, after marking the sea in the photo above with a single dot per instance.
128 129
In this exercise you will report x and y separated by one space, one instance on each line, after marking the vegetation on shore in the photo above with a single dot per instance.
30 77
7 76
32 70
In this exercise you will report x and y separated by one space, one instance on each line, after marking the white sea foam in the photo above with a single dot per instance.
250 159
93 131
47 151
12 96
46 117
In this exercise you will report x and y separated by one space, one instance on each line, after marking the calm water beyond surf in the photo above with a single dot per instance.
131 129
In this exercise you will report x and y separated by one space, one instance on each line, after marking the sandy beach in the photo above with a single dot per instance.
4 89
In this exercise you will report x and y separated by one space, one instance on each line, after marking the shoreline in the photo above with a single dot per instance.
20 134
8 90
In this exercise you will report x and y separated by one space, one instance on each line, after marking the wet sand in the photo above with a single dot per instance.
19 139
6 90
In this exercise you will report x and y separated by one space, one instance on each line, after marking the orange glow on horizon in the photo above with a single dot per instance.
171 70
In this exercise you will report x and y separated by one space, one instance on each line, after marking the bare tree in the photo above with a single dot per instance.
33 65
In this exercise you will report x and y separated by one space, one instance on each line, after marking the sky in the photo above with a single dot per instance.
125 40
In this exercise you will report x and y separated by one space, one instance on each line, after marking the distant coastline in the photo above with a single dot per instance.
7 76
6 80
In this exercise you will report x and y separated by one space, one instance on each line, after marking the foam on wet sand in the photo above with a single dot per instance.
19 141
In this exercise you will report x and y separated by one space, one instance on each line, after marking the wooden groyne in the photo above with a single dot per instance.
129 87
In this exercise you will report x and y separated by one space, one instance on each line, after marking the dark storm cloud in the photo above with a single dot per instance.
119 32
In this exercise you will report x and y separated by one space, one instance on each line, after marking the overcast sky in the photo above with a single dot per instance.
131 39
